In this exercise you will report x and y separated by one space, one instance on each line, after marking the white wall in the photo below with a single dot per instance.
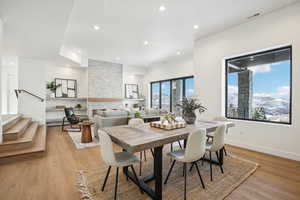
169 70
134 75
77 73
1 43
9 82
32 76
279 28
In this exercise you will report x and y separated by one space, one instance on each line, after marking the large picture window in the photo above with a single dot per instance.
166 94
258 86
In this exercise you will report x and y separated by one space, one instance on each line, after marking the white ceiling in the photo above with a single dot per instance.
34 28
38 28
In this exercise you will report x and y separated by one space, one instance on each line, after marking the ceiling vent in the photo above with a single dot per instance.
253 16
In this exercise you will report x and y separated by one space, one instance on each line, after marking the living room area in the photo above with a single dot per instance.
149 99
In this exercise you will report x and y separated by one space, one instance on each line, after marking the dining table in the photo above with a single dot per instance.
140 138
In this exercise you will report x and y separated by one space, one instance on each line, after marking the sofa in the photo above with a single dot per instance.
116 117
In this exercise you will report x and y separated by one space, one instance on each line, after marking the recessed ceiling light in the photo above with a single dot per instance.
118 58
196 26
162 8
178 53
146 42
96 27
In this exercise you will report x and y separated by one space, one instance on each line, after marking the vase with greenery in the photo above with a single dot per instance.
188 106
52 86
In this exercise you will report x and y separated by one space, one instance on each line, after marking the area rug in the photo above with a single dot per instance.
236 170
76 138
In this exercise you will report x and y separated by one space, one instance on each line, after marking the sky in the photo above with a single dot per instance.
267 79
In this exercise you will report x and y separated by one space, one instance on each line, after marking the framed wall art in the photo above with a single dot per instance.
131 91
68 88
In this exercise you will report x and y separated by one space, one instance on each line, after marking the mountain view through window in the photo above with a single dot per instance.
259 86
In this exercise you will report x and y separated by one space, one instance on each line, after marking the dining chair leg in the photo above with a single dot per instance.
184 171
136 178
106 177
141 158
199 175
191 168
179 144
145 157
63 125
116 184
171 151
203 159
170 171
210 165
152 152
219 163
225 151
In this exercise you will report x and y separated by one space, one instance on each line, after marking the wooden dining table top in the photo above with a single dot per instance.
136 139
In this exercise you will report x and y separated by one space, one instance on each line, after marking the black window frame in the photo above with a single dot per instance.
291 84
169 80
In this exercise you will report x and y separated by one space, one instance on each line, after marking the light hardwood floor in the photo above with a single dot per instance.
54 176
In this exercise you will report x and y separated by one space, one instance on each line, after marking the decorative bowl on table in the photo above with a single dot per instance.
168 122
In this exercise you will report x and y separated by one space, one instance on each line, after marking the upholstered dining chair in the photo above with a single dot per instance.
211 134
135 122
112 159
215 145
195 149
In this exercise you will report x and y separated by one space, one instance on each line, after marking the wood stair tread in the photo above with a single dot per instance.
38 146
9 121
28 135
18 127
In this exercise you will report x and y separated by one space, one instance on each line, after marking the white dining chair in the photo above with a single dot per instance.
211 134
215 146
112 159
195 149
136 122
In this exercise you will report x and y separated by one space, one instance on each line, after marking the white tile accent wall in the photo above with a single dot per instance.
105 80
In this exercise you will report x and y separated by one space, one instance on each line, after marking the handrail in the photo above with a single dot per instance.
17 91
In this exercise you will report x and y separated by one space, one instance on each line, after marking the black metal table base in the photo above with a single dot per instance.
157 176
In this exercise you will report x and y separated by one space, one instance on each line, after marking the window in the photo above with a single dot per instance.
166 94
258 86
177 95
155 90
189 87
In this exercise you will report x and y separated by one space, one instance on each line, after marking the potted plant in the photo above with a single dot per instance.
78 106
138 115
52 86
188 106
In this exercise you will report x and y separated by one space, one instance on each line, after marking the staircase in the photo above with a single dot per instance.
22 139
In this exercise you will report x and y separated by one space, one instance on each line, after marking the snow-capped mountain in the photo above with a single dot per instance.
272 105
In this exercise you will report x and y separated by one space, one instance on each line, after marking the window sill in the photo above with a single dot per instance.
260 122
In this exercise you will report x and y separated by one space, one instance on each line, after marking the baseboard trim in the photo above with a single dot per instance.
283 154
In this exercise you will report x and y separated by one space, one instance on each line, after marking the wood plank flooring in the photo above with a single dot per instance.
53 176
